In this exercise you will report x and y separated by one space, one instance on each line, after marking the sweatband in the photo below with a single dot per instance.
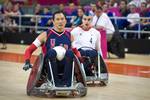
29 51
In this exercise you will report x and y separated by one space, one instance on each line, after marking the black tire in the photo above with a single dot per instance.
104 83
103 65
35 74
82 90
79 73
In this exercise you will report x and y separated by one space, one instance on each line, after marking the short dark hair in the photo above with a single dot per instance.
58 12
81 9
99 8
123 1
144 3
87 13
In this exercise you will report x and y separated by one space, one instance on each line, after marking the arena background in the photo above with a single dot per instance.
129 77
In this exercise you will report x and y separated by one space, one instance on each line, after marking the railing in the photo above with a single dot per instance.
139 31
21 20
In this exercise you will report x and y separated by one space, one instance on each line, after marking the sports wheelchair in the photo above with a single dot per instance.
97 69
38 76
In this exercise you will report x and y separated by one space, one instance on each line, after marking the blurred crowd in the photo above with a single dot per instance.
132 10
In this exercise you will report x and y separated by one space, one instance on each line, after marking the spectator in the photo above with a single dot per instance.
93 9
71 12
137 3
145 23
102 21
34 20
46 20
7 11
133 18
123 8
113 8
78 19
148 4
144 10
100 3
2 34
7 7
61 7
108 12
16 10
15 13
113 3
37 9
124 11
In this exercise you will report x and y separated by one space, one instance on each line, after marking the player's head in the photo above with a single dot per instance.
86 20
59 20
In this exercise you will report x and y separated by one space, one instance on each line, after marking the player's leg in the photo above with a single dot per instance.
51 55
68 67
89 57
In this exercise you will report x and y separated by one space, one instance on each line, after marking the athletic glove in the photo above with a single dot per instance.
27 65
77 53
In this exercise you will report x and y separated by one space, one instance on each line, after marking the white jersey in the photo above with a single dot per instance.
104 21
82 38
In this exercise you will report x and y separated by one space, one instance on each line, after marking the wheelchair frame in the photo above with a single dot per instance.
78 86
99 77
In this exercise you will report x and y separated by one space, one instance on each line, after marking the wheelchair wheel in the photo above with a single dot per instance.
82 90
104 83
104 66
99 68
35 74
79 72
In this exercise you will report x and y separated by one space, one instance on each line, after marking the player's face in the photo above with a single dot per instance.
59 21
86 21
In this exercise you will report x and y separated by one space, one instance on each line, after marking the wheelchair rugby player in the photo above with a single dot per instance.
57 71
87 40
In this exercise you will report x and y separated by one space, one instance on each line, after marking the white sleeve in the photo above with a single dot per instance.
73 33
106 23
36 42
110 27
102 21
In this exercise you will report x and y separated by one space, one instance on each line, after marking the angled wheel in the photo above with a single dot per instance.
104 72
79 72
104 83
35 74
82 90
103 65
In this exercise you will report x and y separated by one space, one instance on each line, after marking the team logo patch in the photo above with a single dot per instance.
52 43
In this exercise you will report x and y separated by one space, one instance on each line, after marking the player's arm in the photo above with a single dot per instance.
72 38
75 50
28 52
